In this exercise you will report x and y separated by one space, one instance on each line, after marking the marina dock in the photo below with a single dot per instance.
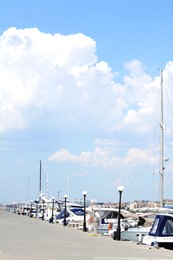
25 238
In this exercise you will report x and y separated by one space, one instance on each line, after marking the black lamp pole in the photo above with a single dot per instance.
52 209
28 208
84 222
43 211
31 209
23 208
36 208
65 210
120 189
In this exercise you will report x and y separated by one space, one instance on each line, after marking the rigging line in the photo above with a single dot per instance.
170 151
154 145
153 186
170 106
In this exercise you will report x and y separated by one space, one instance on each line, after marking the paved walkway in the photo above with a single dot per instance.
24 238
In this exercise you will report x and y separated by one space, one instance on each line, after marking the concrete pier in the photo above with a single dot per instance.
24 238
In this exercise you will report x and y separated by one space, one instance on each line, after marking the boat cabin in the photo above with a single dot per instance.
161 233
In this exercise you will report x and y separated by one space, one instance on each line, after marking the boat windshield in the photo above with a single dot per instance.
77 211
168 228
154 227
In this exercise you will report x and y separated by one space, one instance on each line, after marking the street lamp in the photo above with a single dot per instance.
120 189
31 209
36 202
84 199
43 211
27 208
23 208
65 210
51 220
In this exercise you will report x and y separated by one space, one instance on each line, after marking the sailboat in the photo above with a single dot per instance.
161 233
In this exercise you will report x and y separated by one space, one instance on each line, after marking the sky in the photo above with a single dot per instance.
80 91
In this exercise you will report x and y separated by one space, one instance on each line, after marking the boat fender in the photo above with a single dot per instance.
110 226
140 238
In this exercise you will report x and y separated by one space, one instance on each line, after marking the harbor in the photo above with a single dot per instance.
25 238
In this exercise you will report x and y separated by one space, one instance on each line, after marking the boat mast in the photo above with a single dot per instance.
161 144
68 186
28 187
40 179
47 185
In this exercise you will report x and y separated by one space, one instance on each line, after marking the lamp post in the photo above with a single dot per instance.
120 189
65 209
36 202
31 209
43 211
27 208
53 200
84 199
23 213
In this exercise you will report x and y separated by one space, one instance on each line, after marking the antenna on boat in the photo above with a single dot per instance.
47 185
40 180
161 143
68 186
28 187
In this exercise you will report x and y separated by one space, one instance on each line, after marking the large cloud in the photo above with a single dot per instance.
58 76
36 73
48 76
55 76
58 80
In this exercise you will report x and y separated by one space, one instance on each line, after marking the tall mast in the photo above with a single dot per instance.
161 144
28 187
68 186
47 185
40 179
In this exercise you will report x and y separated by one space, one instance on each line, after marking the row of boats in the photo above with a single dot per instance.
153 228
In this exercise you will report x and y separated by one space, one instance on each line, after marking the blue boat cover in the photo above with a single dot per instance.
162 226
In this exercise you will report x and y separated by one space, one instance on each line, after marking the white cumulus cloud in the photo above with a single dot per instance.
57 81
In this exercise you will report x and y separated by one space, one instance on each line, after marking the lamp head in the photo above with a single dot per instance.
84 193
65 196
120 188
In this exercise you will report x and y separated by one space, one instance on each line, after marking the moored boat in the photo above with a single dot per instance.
161 233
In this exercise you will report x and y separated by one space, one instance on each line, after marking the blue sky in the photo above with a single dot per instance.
80 91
